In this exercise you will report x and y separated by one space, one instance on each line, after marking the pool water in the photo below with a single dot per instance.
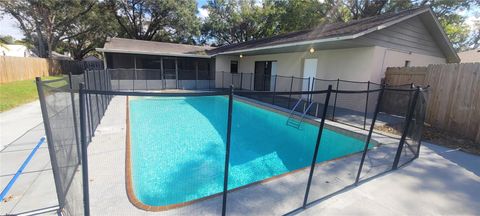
178 147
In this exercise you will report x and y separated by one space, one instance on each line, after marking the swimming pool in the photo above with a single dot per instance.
177 147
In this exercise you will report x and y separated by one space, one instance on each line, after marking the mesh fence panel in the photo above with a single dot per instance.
299 84
350 108
340 153
319 99
227 80
66 148
411 146
381 157
247 81
269 168
282 84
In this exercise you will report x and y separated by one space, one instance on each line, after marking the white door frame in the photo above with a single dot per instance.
310 72
273 73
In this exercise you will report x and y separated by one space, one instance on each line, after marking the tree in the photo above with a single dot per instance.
90 32
161 20
297 15
232 21
366 8
45 22
7 39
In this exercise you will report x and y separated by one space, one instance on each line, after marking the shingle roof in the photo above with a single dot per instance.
122 45
324 31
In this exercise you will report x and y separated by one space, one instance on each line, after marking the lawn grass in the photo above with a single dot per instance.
16 93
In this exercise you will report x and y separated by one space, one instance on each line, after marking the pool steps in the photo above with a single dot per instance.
291 121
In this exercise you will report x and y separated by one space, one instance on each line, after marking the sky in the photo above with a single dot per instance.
9 26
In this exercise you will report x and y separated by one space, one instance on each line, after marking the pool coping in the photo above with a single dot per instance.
140 205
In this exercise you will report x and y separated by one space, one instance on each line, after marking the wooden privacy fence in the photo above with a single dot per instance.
454 96
23 68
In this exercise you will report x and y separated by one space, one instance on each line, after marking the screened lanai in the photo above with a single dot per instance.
159 72
137 64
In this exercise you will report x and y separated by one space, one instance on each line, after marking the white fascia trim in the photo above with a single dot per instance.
150 53
347 37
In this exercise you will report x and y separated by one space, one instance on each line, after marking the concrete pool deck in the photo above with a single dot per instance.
433 184
20 130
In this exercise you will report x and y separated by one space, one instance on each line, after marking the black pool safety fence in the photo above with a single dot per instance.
354 110
73 107
60 104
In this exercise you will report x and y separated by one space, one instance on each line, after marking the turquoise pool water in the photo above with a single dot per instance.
178 147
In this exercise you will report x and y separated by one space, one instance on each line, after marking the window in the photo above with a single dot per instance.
234 67
407 63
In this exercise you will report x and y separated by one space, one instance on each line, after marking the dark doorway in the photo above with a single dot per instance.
170 73
263 72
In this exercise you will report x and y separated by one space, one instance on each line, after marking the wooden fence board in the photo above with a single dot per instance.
454 96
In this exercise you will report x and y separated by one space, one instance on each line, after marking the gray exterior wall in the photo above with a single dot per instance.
410 35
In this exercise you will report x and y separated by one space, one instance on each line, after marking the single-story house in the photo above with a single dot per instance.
358 50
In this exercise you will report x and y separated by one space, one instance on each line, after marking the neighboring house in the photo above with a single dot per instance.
358 50
15 50
470 56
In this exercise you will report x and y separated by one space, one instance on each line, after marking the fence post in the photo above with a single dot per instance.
317 145
89 105
290 95
241 80
311 89
372 126
411 110
176 73
264 82
72 98
101 75
410 94
252 80
118 78
86 196
335 101
96 96
145 76
366 107
227 150
162 76
223 76
274 89
196 74
420 94
50 144
134 78
308 87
